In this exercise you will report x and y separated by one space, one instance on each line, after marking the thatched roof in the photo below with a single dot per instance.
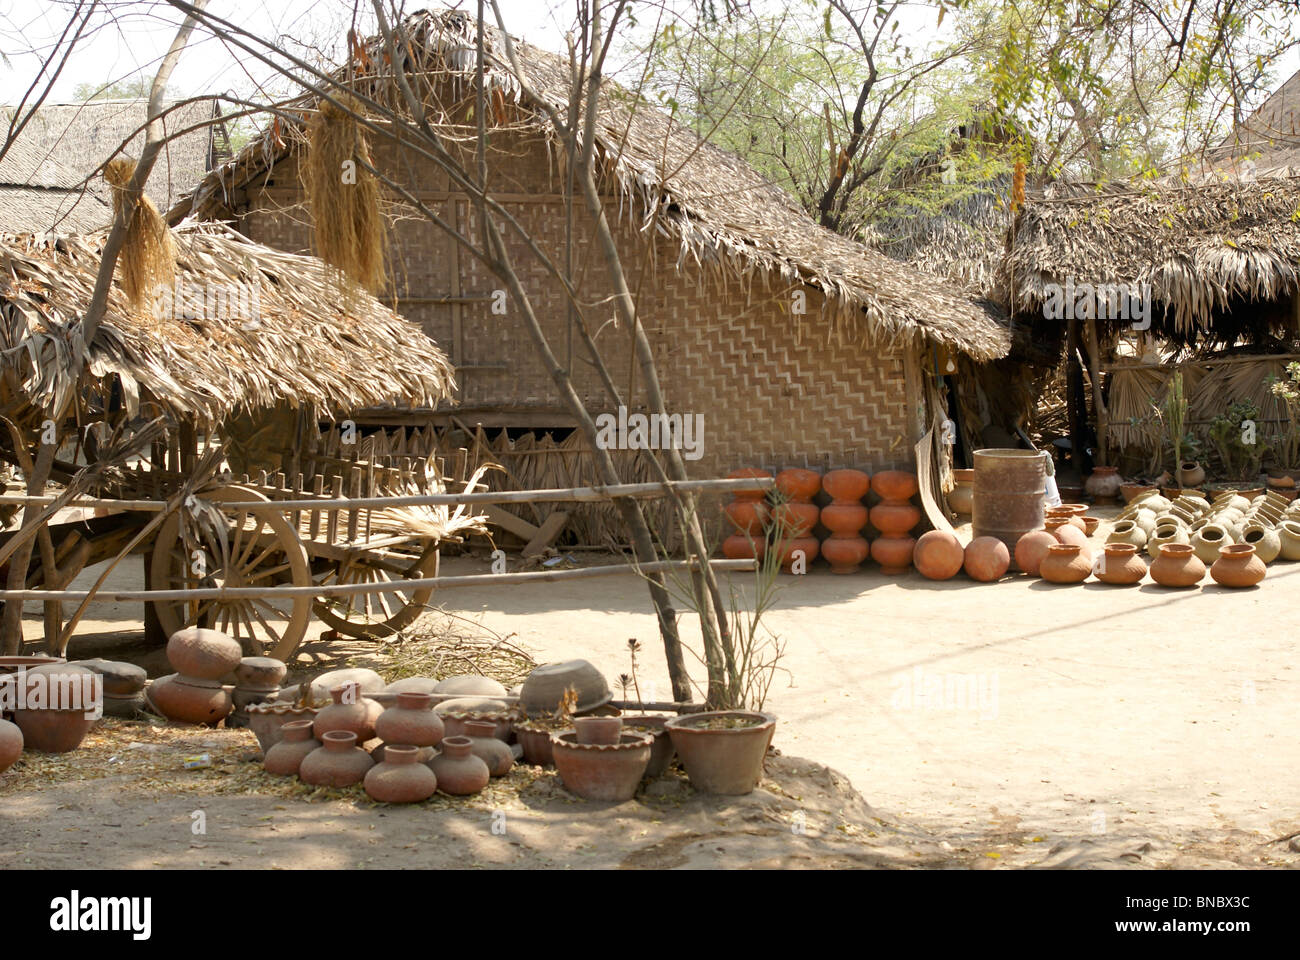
47 177
724 214
293 339
1207 251
1265 144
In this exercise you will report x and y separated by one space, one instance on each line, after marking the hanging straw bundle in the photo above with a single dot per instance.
147 261
344 195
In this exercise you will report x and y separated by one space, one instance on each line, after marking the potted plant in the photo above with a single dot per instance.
1286 447
1234 437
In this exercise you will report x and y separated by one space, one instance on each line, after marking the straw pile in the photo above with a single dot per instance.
147 260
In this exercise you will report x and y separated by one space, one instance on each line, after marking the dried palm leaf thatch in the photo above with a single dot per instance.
350 230
437 521
147 261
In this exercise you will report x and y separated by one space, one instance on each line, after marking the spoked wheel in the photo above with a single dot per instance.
252 549
376 615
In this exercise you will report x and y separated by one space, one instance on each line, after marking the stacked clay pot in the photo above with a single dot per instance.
748 513
844 517
124 685
296 743
797 515
337 762
49 730
350 712
894 517
938 555
195 692
257 680
411 722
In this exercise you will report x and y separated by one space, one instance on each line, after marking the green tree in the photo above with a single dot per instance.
132 88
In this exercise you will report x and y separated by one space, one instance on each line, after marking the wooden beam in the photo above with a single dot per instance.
546 533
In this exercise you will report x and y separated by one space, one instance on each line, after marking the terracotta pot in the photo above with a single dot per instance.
962 496
349 711
750 473
845 554
1119 563
1238 566
296 742
1288 535
459 771
894 518
1103 484
119 678
11 744
337 762
845 516
741 547
598 729
986 559
1135 491
799 485
536 744
1264 539
1208 540
1190 474
1074 509
191 699
267 720
61 706
1062 516
606 772
455 724
894 554
1165 532
259 673
894 485
748 516
1090 525
1177 566
1031 550
796 518
495 753
370 681
1065 563
938 555
123 706
411 721
662 752
203 654
786 550
846 485
725 761
401 778
1127 531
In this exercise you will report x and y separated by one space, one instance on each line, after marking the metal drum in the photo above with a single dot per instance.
1009 491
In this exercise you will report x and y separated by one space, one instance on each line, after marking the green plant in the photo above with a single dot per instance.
1286 448
1234 437
1174 416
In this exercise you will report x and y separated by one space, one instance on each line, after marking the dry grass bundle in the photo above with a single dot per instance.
441 644
147 261
350 231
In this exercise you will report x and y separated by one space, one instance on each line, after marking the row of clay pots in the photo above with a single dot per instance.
939 555
1269 523
1176 564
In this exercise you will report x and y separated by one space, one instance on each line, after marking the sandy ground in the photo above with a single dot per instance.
1018 722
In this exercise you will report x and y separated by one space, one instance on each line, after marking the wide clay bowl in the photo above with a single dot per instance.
598 771
542 691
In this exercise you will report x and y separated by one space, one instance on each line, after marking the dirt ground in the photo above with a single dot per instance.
967 725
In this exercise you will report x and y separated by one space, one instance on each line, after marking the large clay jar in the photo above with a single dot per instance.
1190 474
894 516
296 742
1238 566
938 555
410 721
70 689
203 654
1166 531
962 496
1065 563
845 516
1068 533
484 744
1288 535
349 711
1119 563
459 772
1031 550
1264 539
1177 566
797 515
192 700
790 550
338 762
986 559
401 778
1103 484
1208 540
1127 531
749 513
11 744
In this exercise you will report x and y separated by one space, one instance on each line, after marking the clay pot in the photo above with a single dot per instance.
962 496
1127 531
337 762
846 486
598 729
370 681
1264 539
349 711
748 516
894 554
296 742
1288 535
750 473
986 559
121 679
11 744
192 700
894 485
1238 566
1132 492
259 673
845 554
1119 563
1190 474
894 518
401 778
798 485
727 760
1065 516
662 752
739 546
788 549
267 720
1208 540
410 721
454 721
123 706
844 516
535 743
1074 509
203 654
458 770
54 685
1177 566
605 772
1090 525
495 753
938 555
796 518
1031 550
1065 563
1103 484
543 689
1165 532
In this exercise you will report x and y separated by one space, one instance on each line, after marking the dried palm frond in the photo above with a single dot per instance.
147 261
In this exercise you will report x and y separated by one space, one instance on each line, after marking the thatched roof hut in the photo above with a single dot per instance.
1265 144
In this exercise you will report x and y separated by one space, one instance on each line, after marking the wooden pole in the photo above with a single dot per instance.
1098 404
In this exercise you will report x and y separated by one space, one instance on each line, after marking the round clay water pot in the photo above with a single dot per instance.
894 485
1288 535
337 762
267 720
1208 540
296 742
741 546
749 473
120 678
1177 566
607 772
1065 563
1165 532
786 549
1264 539
370 681
845 519
799 484
598 729
846 485
1190 474
986 559
748 516
845 554
192 700
1127 531
1103 484
494 752
894 518
411 721
11 744
459 771
203 654
1120 564
1238 566
1031 550
727 759
962 496
1066 532
349 711
401 778
894 554
259 673
938 555
1060 516
53 685
796 518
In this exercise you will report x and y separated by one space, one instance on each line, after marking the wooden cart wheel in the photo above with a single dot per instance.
374 615
260 549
